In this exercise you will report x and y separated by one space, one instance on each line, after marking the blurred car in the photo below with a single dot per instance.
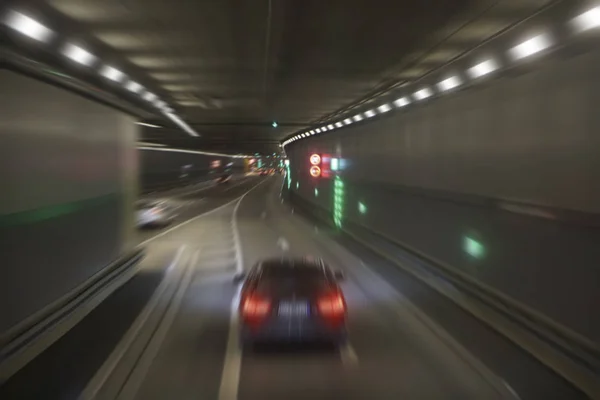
151 213
225 178
263 172
292 300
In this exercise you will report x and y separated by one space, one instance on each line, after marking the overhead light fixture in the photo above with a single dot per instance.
357 117
423 94
149 144
449 83
347 121
324 129
148 125
28 26
274 124
384 108
318 130
588 20
330 126
339 124
401 102
134 87
112 73
530 47
370 113
149 96
483 68
78 54
312 132
182 124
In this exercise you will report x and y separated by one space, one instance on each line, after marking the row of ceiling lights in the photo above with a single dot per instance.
35 30
587 20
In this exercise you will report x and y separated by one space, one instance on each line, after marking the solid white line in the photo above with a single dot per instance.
140 371
230 378
103 373
197 216
348 355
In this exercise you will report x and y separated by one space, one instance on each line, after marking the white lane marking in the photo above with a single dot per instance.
283 244
104 372
348 355
230 377
142 367
198 216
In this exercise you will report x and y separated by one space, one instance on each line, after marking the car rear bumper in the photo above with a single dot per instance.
282 330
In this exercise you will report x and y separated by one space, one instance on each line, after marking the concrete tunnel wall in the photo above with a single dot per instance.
68 182
434 175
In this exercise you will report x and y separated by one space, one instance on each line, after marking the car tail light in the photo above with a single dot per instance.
332 305
255 307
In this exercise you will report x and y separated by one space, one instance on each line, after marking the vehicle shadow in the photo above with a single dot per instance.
291 348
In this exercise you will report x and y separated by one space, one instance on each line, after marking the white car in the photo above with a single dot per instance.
151 213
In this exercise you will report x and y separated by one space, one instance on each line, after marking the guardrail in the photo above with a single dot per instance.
33 335
582 366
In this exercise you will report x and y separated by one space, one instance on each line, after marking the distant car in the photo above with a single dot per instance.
292 300
264 172
151 213
223 179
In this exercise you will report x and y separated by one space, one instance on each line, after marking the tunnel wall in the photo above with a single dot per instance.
68 181
165 169
440 177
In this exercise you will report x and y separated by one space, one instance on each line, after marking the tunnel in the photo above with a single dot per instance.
316 199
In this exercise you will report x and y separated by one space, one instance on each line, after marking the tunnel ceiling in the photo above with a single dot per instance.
230 68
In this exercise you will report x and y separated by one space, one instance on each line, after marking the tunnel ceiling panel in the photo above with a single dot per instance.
232 67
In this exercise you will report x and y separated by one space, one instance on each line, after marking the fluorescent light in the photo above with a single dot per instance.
370 113
530 47
384 108
134 87
149 96
148 144
28 26
112 73
449 83
330 126
347 121
318 130
423 94
169 149
148 125
78 54
588 20
401 102
483 68
324 129
312 132
339 124
357 117
182 124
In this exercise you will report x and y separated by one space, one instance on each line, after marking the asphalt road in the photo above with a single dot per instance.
391 353
170 334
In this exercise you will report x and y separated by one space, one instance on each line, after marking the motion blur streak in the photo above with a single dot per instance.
374 199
